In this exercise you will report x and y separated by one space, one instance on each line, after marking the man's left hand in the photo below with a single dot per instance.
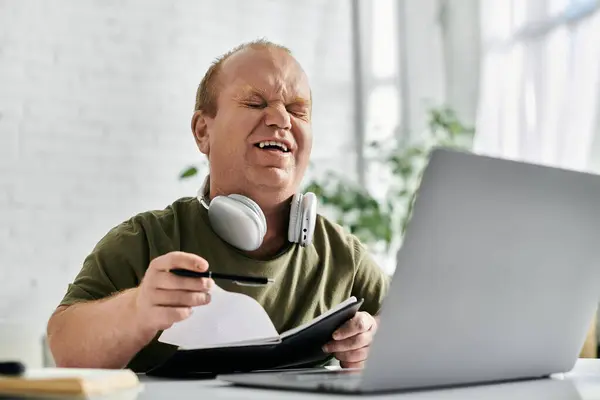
350 344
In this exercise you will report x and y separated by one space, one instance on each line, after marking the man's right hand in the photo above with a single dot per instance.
164 298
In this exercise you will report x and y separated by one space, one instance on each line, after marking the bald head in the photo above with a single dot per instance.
225 66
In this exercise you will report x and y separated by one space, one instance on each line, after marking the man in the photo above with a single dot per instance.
124 295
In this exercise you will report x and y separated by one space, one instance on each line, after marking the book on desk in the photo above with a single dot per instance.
72 382
233 333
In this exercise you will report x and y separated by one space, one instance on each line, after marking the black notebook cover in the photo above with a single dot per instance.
300 350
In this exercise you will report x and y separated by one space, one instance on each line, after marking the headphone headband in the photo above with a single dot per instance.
203 192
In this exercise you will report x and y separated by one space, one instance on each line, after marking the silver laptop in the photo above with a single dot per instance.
498 279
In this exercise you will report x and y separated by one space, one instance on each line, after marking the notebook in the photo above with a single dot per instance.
233 319
233 333
71 382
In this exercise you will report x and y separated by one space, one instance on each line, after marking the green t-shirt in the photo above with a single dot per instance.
308 280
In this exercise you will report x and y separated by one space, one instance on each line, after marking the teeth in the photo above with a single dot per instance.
273 143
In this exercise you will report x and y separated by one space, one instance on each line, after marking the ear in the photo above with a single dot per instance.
200 130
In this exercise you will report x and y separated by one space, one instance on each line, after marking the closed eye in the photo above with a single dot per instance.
256 105
298 113
299 108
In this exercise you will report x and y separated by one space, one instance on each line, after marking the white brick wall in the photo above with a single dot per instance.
95 106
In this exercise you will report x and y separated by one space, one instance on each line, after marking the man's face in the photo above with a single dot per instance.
260 139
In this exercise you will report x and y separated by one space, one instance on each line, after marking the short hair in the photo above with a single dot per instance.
207 93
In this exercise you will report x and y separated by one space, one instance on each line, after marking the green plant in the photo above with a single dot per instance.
382 219
193 170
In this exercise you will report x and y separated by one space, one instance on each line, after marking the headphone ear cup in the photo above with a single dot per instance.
236 222
308 210
254 207
295 217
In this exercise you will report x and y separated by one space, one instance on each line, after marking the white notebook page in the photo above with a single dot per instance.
229 319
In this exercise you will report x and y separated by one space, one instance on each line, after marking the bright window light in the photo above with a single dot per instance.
383 39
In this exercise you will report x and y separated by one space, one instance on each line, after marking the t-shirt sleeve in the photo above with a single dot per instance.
115 264
371 283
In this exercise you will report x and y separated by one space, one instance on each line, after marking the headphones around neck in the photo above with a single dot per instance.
240 222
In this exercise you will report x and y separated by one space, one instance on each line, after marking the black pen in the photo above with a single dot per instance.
11 368
255 280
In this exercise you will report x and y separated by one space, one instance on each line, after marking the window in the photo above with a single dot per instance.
540 80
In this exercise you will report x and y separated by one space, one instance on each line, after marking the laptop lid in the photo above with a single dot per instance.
497 279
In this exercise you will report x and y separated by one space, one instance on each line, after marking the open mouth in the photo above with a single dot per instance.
272 145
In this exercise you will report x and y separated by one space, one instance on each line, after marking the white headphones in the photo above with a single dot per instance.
240 222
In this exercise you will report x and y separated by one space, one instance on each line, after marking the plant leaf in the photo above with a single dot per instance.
189 172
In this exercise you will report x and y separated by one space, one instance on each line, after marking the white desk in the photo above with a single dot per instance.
581 383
